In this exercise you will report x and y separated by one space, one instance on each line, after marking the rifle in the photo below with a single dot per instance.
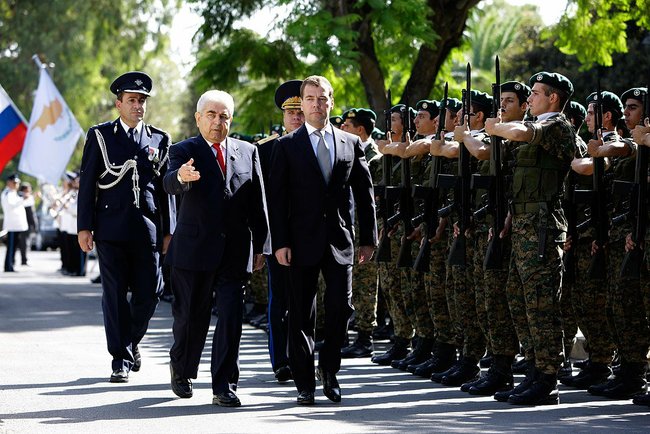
403 195
462 192
430 195
569 204
496 196
631 265
384 253
599 218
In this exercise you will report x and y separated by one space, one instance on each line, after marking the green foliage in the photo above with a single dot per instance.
90 43
594 30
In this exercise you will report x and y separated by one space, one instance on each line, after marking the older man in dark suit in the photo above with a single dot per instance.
315 172
221 235
123 208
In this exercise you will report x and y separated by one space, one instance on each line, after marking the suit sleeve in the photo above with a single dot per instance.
91 163
177 157
279 196
259 211
362 189
166 201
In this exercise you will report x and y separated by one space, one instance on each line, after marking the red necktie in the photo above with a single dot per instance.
220 160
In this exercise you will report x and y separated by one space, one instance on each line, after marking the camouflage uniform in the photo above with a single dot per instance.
465 282
540 168
365 276
392 282
421 317
627 301
588 296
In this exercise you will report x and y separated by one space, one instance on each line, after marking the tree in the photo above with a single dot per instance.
594 30
370 45
88 48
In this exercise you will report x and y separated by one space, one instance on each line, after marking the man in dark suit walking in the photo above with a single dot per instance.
315 172
221 237
123 208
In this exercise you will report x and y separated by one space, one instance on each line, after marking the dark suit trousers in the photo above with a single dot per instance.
127 266
302 318
278 306
191 309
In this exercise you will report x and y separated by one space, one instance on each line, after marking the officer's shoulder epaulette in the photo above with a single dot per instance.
157 130
103 125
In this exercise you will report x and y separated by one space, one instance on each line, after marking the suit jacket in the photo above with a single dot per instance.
221 222
111 214
310 216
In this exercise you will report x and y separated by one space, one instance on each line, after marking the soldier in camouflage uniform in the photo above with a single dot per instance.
641 136
468 280
361 122
632 333
539 227
590 294
436 285
391 280
500 328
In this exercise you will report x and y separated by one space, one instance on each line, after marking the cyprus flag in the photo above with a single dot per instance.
52 135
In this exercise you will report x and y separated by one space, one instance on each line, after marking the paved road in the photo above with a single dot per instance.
54 372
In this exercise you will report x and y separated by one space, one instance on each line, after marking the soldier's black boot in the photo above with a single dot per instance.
397 351
467 371
520 367
362 347
592 374
498 378
420 353
642 399
438 376
444 357
521 387
486 360
632 382
542 391
565 370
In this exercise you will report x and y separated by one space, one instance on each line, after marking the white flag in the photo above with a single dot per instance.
52 135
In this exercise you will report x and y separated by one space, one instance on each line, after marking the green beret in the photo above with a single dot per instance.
277 129
482 100
360 114
636 93
337 121
553 79
610 102
428 106
575 110
521 89
399 108
378 134
453 105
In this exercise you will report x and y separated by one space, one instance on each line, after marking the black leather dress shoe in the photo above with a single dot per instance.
137 359
283 374
331 387
182 387
119 376
226 399
305 398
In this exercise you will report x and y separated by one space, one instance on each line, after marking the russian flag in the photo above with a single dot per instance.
13 129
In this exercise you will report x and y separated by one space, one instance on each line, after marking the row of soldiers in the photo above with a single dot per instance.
443 204
500 176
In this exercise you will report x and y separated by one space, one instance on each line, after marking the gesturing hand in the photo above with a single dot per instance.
187 173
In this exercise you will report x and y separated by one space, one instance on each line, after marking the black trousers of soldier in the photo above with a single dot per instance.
127 266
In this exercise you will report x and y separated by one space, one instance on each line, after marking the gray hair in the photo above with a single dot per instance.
216 96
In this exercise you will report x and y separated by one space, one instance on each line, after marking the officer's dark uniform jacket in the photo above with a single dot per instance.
540 169
132 208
